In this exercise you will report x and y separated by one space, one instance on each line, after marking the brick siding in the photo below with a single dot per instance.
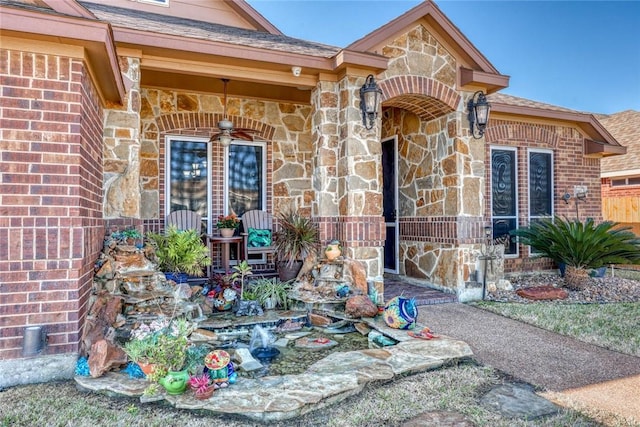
570 168
50 198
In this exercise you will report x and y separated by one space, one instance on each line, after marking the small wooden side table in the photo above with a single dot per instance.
224 243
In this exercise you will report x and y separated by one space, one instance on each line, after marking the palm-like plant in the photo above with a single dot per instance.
581 245
297 237
180 251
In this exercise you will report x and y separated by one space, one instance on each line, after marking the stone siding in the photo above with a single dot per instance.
50 198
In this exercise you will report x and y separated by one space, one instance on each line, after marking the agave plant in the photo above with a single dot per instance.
297 237
581 245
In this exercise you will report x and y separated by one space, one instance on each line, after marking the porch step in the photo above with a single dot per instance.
398 286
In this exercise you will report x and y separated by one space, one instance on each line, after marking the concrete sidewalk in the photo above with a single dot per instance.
536 356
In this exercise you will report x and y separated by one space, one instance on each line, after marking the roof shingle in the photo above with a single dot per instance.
625 127
164 24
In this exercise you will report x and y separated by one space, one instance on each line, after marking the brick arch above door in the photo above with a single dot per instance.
425 97
208 122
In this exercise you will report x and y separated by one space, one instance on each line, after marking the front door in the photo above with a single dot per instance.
390 203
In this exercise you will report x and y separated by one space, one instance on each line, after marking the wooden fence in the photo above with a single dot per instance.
625 210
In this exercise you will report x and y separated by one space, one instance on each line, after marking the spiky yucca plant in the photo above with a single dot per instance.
581 245
296 238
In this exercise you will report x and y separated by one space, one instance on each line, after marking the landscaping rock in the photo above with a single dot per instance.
518 401
543 293
360 306
318 320
105 356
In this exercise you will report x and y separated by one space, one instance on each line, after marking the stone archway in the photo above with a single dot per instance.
427 98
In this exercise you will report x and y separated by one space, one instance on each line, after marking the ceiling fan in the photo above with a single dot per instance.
226 132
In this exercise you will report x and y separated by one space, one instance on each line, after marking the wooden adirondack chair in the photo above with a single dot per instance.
258 233
185 220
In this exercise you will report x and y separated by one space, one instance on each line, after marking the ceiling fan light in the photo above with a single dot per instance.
225 124
224 140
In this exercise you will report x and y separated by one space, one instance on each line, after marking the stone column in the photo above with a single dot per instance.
122 148
348 173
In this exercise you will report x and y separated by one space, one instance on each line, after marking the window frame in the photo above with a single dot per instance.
516 215
167 175
263 192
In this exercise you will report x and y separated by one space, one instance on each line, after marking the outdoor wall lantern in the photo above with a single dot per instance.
369 101
478 114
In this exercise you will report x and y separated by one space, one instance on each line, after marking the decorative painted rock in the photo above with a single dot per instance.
401 313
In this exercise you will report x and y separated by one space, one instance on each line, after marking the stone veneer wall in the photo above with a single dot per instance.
286 127
440 168
346 174
570 168
51 202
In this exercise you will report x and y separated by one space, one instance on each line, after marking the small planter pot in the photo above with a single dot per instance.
204 394
333 251
147 368
227 232
175 382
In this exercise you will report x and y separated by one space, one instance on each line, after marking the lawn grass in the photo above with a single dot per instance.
456 389
613 326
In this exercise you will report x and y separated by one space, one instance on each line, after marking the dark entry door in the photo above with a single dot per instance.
390 203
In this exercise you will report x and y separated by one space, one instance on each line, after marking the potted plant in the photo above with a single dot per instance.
181 253
581 246
139 351
201 385
296 238
227 224
271 292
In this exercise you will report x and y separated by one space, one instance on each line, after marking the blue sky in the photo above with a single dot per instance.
583 55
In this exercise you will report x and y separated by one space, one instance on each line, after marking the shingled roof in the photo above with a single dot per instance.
503 98
163 24
624 127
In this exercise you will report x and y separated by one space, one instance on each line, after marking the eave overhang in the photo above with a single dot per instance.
490 81
94 37
598 141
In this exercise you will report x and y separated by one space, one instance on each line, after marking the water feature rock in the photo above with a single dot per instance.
319 320
360 306
357 274
105 356
246 362
315 344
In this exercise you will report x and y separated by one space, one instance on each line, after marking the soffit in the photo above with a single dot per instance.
30 21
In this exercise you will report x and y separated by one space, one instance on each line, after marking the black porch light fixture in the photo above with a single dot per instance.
478 114
369 101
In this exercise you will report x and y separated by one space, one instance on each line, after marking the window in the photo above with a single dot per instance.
246 176
540 185
188 185
625 181
504 195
